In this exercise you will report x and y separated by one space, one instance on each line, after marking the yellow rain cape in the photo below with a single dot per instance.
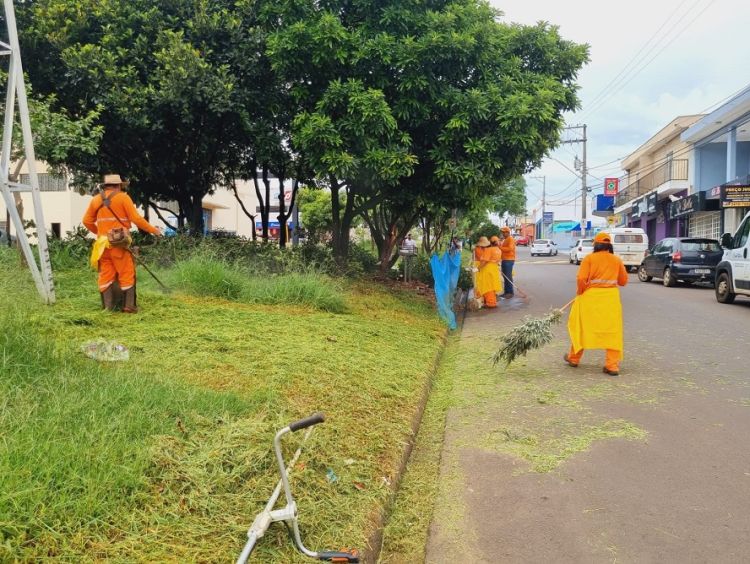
595 320
97 250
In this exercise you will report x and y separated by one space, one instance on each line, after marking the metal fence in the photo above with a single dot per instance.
48 182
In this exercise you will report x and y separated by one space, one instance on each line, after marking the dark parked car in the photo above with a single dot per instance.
683 259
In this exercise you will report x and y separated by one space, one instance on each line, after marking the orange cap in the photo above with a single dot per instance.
602 237
494 239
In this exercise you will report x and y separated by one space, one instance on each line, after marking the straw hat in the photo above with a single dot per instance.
115 180
602 237
483 242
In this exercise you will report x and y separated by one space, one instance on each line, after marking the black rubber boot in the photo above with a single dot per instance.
129 305
108 299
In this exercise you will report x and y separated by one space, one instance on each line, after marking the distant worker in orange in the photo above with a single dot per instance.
488 277
595 320
508 250
109 216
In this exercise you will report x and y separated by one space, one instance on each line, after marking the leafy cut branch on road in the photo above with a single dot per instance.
168 456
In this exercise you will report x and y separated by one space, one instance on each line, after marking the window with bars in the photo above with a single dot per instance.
48 182
706 225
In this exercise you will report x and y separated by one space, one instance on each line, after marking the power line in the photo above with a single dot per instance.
594 107
627 65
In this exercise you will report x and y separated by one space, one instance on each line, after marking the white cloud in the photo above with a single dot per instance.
698 52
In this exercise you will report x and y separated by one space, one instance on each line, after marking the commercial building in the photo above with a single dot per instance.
720 171
656 175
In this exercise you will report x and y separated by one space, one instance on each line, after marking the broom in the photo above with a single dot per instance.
532 334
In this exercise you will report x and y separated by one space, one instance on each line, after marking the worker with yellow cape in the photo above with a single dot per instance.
595 320
488 277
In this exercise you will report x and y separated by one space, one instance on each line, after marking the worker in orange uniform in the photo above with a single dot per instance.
595 320
488 277
508 251
112 208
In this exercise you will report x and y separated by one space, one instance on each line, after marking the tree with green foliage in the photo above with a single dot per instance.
162 76
315 213
408 106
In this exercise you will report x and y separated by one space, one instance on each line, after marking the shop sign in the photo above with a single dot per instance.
611 186
714 192
651 201
686 205
548 218
639 208
735 196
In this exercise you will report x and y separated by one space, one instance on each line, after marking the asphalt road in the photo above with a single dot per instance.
682 494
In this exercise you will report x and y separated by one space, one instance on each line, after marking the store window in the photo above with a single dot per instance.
706 225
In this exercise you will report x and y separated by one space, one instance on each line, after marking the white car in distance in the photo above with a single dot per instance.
543 247
580 250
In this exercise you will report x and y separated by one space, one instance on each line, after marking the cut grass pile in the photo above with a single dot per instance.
168 456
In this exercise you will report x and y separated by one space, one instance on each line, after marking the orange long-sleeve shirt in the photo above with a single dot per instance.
100 219
601 270
508 248
491 254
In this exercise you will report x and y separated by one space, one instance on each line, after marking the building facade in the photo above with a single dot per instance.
720 175
656 175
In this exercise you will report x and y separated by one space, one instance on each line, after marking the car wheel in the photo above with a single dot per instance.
723 293
642 275
669 280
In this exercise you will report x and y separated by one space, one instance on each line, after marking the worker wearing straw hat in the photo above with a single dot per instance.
595 320
488 277
109 210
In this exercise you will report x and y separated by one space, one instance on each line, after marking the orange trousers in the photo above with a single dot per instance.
490 299
116 264
612 358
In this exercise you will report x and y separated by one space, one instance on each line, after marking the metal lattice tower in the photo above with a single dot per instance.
16 92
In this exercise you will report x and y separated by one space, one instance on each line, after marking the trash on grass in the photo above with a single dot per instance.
105 351
331 476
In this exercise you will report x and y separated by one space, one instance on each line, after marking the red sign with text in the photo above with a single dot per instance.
611 186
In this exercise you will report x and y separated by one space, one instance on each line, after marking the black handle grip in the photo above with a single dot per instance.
332 556
314 419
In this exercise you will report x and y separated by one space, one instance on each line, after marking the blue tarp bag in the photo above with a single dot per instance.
445 271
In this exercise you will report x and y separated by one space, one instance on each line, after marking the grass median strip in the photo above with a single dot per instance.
168 456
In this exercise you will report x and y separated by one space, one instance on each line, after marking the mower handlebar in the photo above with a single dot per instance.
314 419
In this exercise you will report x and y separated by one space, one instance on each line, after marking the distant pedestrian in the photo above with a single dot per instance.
508 251
595 320
409 244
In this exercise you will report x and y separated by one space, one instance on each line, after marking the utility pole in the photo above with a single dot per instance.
544 202
581 165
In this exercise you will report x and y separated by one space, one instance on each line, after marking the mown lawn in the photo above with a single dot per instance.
168 456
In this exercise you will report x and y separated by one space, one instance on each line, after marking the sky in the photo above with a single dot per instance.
650 61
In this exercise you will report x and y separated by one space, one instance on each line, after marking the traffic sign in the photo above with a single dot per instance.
549 217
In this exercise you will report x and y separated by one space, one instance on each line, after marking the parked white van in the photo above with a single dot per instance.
630 244
733 272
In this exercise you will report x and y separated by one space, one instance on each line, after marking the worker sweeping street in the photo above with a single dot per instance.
508 251
595 320
109 216
488 277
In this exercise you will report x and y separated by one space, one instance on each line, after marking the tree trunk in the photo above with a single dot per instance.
233 186
340 225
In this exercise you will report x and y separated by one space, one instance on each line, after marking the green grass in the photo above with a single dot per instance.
205 276
168 456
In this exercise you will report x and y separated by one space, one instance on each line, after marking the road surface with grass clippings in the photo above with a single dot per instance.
547 463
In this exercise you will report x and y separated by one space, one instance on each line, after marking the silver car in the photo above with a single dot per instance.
544 247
